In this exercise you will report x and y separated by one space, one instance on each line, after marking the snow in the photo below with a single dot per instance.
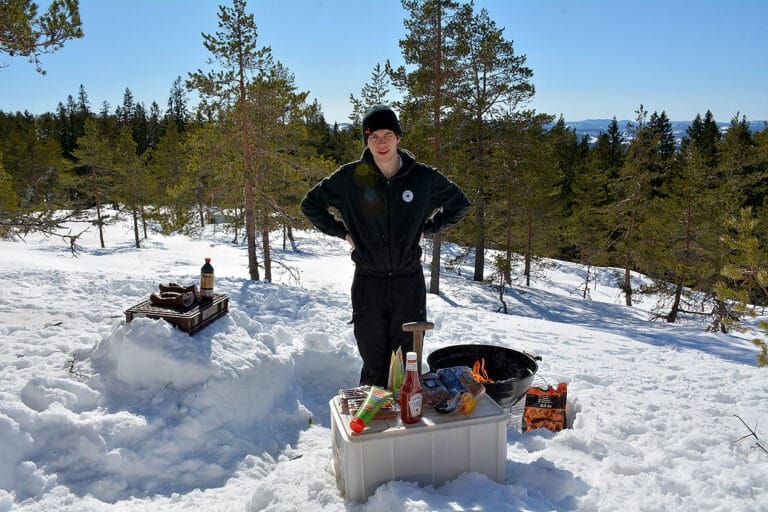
100 415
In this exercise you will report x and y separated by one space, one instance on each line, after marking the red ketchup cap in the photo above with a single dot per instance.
357 425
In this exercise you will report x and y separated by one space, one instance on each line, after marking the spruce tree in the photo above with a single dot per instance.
588 223
177 111
374 92
703 135
633 190
662 151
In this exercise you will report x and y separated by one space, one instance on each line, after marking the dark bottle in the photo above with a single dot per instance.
206 280
410 393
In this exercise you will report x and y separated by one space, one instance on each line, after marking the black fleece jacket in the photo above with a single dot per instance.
385 217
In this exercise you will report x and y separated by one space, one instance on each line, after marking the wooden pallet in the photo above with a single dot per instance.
190 320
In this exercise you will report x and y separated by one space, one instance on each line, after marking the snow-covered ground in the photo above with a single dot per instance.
100 415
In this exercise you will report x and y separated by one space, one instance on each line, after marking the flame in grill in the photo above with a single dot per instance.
479 373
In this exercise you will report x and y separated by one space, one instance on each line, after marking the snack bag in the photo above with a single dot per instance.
460 386
545 408
433 390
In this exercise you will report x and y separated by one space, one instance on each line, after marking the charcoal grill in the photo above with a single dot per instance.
511 371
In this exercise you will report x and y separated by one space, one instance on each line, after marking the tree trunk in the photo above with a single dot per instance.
672 316
434 265
628 261
250 231
480 240
291 238
100 221
144 222
267 253
508 243
135 213
200 206
528 250
250 180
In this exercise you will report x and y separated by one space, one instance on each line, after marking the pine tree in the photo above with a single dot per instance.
494 82
93 153
173 185
234 48
27 33
23 208
430 46
745 272
277 108
9 201
126 166
522 189
209 161
681 247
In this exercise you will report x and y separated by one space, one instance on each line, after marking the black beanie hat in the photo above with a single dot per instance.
380 117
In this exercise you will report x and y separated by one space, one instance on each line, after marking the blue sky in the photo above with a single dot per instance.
591 59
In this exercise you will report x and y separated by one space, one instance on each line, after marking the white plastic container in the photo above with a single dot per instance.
433 451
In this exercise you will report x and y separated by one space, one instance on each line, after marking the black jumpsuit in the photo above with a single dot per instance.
386 219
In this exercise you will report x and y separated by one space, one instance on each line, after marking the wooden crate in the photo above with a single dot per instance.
190 320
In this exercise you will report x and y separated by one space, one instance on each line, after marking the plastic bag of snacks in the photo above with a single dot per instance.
462 389
545 408
433 390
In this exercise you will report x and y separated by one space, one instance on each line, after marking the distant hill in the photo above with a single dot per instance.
593 127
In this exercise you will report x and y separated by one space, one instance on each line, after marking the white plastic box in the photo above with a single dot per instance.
433 451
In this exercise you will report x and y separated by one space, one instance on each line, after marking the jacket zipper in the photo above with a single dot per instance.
389 224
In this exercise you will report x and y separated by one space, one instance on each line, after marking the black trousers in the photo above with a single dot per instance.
381 304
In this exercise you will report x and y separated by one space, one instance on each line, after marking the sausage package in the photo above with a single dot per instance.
545 408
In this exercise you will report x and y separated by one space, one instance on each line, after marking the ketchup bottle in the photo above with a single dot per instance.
410 393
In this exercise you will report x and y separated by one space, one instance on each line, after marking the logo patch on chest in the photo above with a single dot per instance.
407 196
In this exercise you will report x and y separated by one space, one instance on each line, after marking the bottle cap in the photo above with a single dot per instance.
357 425
410 355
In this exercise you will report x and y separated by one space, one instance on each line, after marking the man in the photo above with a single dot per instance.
387 201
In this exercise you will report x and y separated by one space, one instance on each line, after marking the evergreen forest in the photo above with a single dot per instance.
691 213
